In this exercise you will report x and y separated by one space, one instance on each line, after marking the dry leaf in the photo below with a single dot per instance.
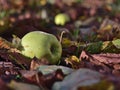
105 63
23 86
108 58
73 61
42 79
35 63
5 44
89 61
109 30
79 78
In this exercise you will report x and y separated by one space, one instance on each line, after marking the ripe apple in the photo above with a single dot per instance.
41 45
61 19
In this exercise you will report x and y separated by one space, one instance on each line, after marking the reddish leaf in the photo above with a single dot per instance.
38 78
90 62
107 63
108 58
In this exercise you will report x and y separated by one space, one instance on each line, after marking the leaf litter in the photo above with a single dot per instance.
90 59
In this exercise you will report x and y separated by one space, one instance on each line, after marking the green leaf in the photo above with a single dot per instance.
94 47
116 43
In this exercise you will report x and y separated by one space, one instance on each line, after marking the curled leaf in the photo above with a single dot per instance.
73 61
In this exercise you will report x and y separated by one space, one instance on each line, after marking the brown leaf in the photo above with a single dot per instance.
5 44
89 61
38 78
35 63
8 46
15 58
108 58
31 76
83 55
106 63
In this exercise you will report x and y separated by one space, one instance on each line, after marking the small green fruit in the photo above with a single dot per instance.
61 19
41 45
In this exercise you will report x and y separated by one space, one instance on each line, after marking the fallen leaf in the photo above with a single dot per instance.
28 74
73 61
4 44
9 52
110 47
35 63
102 85
47 69
108 58
22 86
108 30
94 47
79 78
116 43
15 58
104 63
43 80
90 62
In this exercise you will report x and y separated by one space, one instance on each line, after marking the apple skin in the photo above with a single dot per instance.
61 19
41 45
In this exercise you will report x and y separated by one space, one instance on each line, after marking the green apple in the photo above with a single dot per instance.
41 45
61 19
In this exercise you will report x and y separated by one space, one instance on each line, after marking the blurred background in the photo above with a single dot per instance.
87 19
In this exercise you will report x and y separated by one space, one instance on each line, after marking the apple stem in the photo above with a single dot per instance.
61 36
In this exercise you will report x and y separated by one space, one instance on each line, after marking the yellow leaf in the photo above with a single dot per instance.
73 61
105 44
108 27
